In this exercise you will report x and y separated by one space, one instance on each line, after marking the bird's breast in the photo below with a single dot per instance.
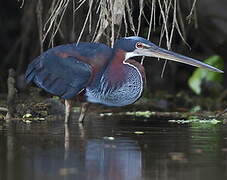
117 87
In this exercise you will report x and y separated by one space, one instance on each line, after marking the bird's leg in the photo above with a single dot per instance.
83 110
68 108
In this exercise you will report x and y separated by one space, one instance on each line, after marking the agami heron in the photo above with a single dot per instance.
96 73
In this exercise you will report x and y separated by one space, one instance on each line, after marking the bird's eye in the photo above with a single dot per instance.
139 45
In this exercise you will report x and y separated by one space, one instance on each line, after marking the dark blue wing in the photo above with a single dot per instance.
61 76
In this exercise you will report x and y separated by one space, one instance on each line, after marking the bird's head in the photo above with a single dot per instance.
137 46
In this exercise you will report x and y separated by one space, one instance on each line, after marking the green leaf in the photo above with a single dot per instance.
200 74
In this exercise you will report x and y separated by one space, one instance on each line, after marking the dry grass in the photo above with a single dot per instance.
109 19
115 14
22 3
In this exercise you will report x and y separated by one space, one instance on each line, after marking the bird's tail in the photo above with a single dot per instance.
31 70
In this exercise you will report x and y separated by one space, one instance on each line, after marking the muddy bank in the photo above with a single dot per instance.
34 105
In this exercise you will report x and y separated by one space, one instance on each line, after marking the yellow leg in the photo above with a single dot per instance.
83 110
68 108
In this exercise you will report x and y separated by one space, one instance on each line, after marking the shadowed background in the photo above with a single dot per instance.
30 27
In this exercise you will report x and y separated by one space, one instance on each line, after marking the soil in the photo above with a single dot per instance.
38 106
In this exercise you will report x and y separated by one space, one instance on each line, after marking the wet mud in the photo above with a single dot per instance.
133 143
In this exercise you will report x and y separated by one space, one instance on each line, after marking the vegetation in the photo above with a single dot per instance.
38 25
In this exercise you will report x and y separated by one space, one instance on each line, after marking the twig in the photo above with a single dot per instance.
86 20
189 17
152 20
11 94
52 24
141 2
130 17
112 23
39 11
22 3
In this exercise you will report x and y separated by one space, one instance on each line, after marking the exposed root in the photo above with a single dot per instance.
11 94
115 14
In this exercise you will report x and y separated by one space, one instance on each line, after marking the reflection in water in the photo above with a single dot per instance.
10 143
36 154
115 159
66 141
110 150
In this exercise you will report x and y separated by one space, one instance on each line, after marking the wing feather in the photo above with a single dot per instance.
60 76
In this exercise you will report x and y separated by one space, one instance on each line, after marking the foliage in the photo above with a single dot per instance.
200 75
31 27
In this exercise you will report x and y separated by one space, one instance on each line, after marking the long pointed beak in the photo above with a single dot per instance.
155 51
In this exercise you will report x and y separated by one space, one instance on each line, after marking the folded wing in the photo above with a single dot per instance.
59 74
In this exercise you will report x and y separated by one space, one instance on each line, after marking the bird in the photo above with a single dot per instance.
92 72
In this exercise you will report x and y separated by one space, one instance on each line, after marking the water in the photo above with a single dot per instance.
113 148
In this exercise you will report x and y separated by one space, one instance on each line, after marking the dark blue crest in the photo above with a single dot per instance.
128 44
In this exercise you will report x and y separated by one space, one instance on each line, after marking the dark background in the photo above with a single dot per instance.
206 35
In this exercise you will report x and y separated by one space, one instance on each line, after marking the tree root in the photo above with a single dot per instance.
11 94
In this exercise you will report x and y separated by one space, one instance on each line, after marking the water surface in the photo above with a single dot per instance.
113 148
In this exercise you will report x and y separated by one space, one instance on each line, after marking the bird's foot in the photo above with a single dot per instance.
83 110
81 118
68 108
67 118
